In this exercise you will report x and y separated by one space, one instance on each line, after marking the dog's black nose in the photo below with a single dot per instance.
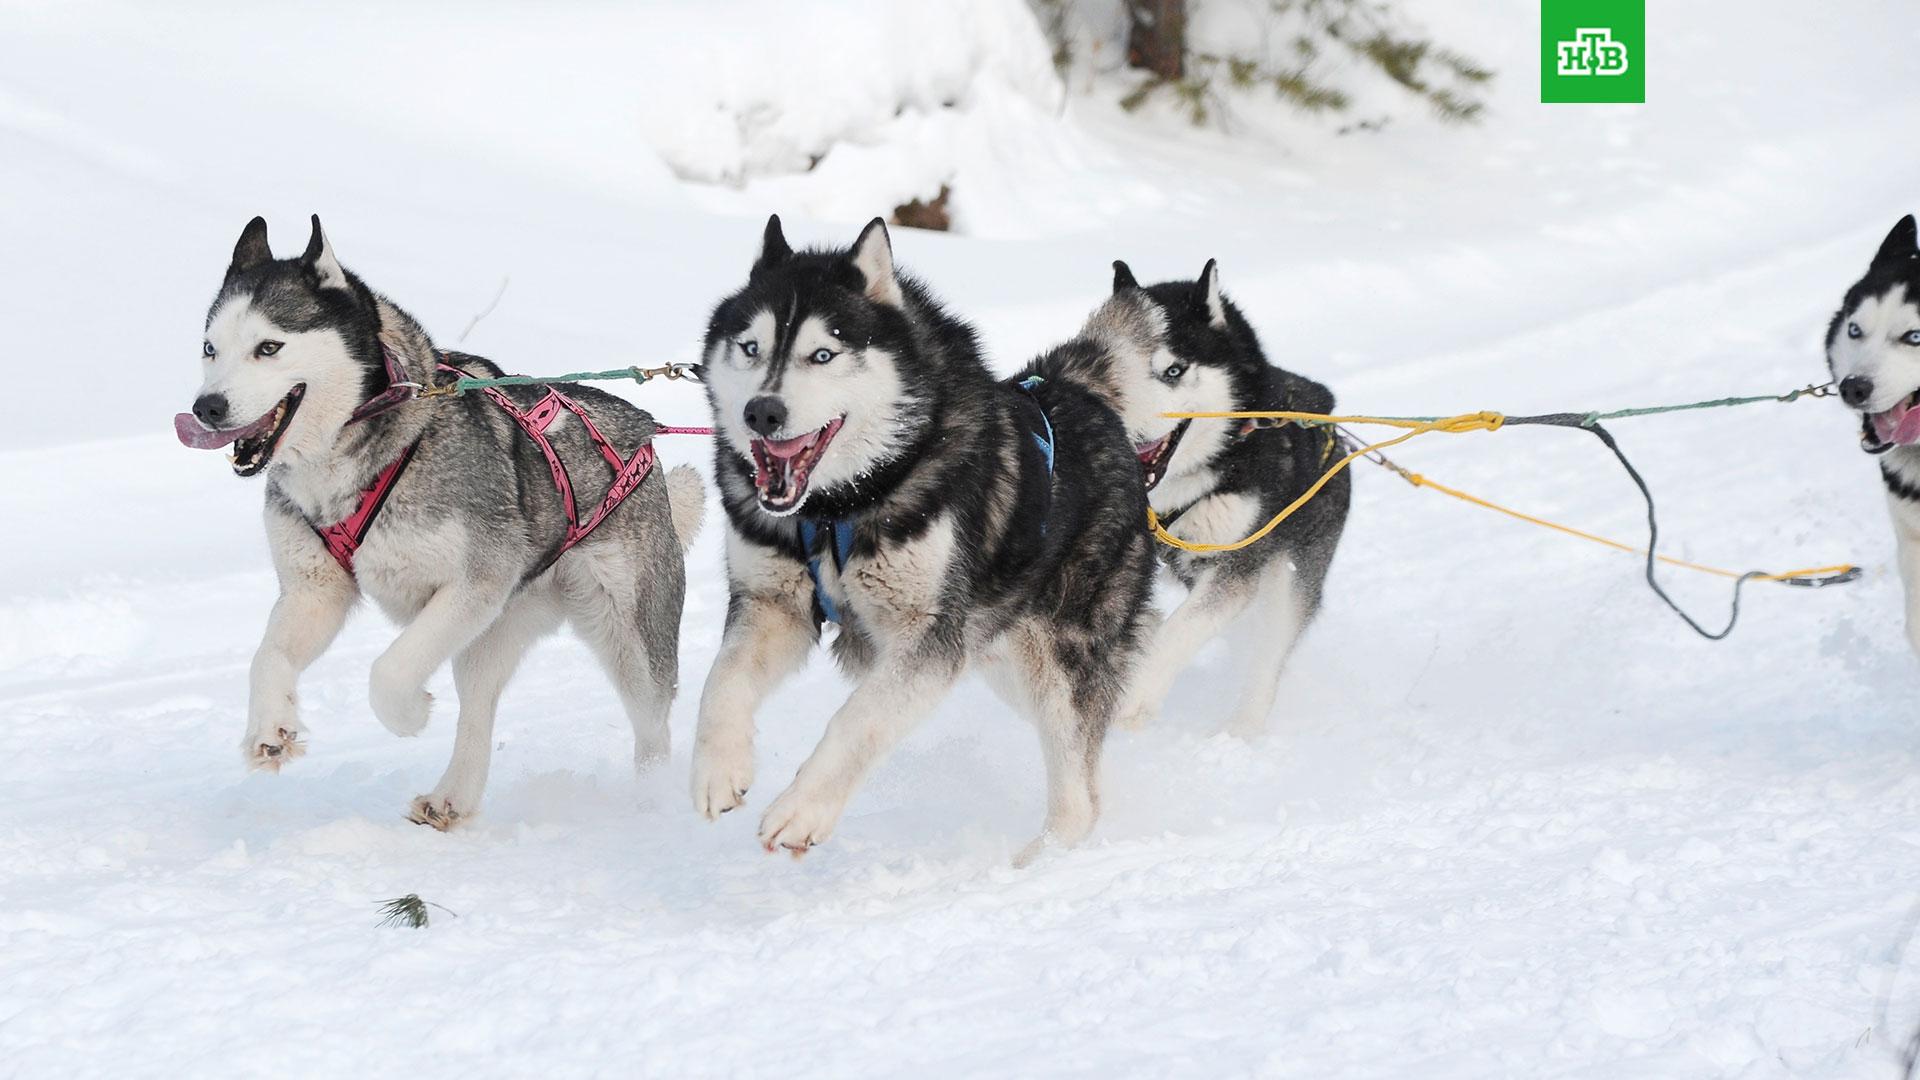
1855 390
211 409
765 415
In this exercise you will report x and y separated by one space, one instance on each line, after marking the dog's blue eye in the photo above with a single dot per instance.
821 356
1853 329
751 348
268 348
1912 338
206 349
1173 372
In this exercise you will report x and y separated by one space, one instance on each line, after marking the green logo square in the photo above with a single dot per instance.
1593 50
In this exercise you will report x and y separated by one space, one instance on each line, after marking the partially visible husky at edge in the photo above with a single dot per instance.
1182 346
1873 349
953 520
299 362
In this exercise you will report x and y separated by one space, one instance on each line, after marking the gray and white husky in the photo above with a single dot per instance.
876 475
1873 349
1182 346
444 511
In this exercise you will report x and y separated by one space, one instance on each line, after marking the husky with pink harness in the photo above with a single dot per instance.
480 522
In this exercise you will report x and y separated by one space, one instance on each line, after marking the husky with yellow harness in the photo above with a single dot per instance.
1182 346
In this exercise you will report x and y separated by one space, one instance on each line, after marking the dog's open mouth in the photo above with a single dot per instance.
1898 426
253 444
781 466
1155 455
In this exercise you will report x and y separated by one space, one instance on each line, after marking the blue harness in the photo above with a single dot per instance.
843 529
842 547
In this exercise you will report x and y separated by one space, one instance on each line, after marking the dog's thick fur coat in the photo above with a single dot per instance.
843 393
1182 346
1873 351
458 550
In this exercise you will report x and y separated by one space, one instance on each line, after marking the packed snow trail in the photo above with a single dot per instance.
1512 818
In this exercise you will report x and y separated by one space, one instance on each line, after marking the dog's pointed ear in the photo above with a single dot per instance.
1902 243
252 250
773 245
319 260
1210 287
873 255
1123 277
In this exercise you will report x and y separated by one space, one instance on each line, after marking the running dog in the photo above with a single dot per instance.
1182 346
481 521
876 476
1873 350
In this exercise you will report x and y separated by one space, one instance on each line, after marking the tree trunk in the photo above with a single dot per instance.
1157 36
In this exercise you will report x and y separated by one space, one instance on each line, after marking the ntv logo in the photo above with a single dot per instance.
1581 39
1592 52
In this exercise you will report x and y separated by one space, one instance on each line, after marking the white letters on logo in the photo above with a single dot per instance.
1592 52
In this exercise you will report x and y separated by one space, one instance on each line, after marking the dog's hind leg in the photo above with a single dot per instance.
632 622
480 673
1214 603
1278 614
1072 724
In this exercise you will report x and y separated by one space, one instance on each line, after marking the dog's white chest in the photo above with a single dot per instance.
896 584
390 573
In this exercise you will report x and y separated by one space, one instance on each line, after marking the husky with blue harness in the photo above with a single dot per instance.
878 478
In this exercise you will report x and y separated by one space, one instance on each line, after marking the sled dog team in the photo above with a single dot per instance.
875 475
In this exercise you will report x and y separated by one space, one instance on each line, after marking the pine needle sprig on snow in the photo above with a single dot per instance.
409 911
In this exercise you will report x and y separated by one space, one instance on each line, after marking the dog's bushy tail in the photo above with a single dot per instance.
686 503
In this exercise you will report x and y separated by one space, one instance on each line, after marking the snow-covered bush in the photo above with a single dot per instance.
1360 63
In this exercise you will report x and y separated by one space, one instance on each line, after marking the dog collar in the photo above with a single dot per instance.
399 391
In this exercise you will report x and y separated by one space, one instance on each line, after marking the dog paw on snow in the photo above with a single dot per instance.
799 821
442 812
720 778
270 751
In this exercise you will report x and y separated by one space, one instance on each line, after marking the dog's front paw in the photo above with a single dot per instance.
442 812
721 776
799 820
401 706
273 748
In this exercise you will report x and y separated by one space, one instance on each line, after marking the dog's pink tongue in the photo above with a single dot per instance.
190 433
1898 426
786 448
1907 432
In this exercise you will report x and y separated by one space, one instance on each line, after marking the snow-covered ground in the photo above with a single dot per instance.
1513 818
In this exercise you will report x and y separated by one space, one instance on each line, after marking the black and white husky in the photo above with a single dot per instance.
1182 346
876 475
1873 350
448 512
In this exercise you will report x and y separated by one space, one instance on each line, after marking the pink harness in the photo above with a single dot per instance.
344 537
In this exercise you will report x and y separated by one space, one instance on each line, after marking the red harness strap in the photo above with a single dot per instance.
344 537
627 473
